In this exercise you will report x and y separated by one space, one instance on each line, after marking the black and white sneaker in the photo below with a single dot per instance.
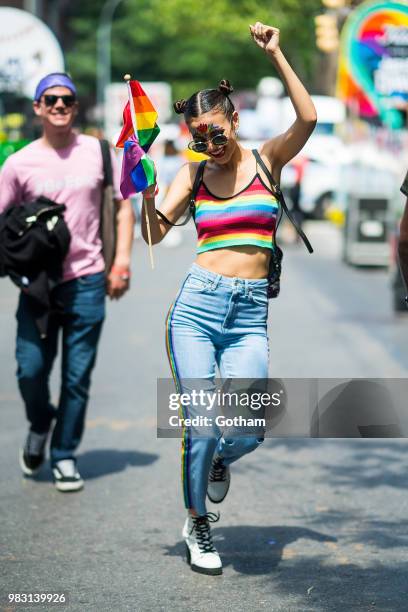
202 555
218 481
66 476
33 454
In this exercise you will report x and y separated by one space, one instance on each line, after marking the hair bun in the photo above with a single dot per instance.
225 87
180 106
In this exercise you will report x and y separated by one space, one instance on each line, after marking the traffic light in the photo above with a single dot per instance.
327 34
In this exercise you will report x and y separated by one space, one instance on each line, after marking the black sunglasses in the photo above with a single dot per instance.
201 146
51 100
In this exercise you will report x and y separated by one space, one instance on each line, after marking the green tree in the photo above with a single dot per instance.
191 44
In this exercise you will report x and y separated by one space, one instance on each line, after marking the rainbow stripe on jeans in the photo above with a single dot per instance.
186 436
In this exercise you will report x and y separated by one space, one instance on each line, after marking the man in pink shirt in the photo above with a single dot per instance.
66 167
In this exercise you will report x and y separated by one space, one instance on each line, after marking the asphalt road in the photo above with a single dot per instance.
316 525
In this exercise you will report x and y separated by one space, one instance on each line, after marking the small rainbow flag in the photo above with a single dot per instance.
145 116
137 167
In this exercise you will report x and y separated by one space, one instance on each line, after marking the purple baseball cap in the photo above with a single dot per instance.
55 79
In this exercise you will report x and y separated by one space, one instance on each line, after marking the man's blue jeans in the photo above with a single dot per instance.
83 302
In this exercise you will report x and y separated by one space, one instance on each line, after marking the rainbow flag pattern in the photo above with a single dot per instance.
369 79
186 442
145 115
137 167
248 217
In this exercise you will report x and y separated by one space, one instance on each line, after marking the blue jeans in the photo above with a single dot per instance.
215 321
81 319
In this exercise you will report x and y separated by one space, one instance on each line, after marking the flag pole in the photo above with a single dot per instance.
127 78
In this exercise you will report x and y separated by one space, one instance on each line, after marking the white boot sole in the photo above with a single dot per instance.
209 571
67 487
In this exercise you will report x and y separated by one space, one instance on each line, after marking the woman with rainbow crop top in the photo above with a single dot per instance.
219 317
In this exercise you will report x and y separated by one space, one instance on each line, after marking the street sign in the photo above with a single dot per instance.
28 51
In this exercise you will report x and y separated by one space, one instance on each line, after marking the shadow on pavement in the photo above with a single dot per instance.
371 532
369 463
98 463
333 586
369 476
379 464
254 550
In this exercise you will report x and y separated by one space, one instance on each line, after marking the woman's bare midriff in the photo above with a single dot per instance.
240 261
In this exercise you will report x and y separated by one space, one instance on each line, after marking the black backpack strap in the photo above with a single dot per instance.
281 199
107 163
191 206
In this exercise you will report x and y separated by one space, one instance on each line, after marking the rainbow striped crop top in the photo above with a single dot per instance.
248 217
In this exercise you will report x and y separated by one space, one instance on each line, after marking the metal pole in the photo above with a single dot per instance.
103 46
35 7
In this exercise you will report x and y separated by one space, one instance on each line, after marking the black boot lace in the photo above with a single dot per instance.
201 527
218 471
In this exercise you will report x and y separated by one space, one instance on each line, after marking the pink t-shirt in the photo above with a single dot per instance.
72 176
